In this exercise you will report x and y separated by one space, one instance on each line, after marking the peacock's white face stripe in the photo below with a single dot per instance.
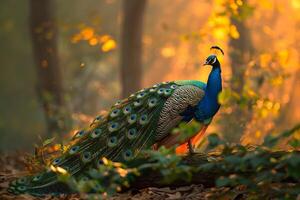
214 60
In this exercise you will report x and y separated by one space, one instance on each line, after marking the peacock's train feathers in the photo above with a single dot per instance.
133 124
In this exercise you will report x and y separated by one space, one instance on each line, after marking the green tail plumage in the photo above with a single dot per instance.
128 128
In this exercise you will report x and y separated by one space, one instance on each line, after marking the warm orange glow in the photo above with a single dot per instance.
109 45
87 33
93 41
167 52
91 36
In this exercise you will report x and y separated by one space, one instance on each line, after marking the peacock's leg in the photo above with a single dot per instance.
191 147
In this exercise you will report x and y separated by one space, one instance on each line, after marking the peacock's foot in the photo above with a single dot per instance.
191 148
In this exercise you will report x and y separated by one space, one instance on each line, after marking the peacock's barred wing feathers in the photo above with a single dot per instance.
121 134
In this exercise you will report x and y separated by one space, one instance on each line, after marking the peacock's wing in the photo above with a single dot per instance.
184 98
129 127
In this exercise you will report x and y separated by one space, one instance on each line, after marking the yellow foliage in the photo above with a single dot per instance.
122 172
276 107
296 135
219 20
167 52
277 81
104 38
59 170
105 161
93 41
87 33
220 33
265 59
296 4
266 4
234 32
234 7
269 105
239 2
109 45
258 134
224 97
283 56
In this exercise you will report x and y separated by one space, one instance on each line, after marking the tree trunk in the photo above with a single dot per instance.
289 114
240 53
131 46
49 82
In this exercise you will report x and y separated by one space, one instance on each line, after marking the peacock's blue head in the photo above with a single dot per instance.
211 60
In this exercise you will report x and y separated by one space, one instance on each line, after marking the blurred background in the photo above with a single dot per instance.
64 62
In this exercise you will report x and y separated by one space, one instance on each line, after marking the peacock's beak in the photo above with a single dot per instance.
206 63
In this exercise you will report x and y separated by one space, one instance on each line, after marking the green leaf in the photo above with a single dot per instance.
223 181
224 97
48 141
214 140
270 141
294 143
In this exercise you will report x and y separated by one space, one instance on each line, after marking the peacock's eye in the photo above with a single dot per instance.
112 141
56 161
86 156
132 133
113 127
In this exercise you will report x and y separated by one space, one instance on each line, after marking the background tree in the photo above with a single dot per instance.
240 53
49 79
131 46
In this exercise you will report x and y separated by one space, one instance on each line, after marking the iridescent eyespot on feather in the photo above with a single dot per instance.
152 90
115 113
22 180
113 127
127 110
131 133
74 149
137 103
37 177
79 134
22 188
56 161
96 133
128 155
173 87
112 141
143 119
132 118
118 103
86 157
141 95
167 92
152 102
156 85
99 162
98 118
161 91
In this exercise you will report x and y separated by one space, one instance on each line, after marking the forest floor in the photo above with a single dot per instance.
12 166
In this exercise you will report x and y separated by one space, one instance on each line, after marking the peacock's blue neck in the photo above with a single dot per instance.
209 105
214 84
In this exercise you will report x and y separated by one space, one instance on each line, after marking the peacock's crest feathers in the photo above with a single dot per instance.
119 135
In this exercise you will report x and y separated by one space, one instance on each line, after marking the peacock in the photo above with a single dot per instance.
142 121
